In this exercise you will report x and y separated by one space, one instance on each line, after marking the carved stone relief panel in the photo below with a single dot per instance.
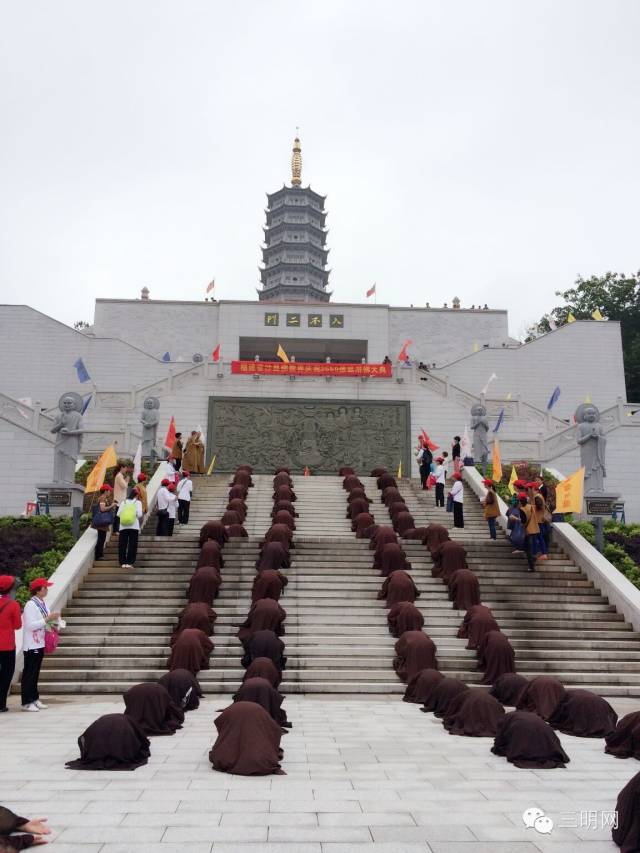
320 434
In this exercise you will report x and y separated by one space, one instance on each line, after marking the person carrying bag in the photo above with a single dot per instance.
102 515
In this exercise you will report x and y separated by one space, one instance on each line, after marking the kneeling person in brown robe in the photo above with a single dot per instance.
248 742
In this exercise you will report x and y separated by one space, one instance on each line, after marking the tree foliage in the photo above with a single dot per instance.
617 297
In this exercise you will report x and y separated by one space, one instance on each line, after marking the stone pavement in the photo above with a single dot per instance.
363 776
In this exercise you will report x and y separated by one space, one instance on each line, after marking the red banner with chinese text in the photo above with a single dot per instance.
311 368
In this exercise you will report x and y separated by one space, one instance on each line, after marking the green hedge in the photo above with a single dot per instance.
622 545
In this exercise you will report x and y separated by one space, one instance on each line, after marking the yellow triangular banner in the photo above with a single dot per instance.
211 464
107 459
597 315
512 479
569 493
400 469
570 318
282 354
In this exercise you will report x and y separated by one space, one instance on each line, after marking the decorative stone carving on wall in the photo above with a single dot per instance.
321 434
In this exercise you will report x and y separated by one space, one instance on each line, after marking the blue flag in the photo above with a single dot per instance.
554 398
81 370
166 357
499 422
85 402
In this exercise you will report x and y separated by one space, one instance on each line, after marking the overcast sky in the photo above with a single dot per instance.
484 149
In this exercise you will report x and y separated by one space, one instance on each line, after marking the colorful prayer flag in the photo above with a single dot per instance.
107 459
403 355
281 354
211 285
554 398
86 401
371 291
307 472
552 324
137 462
171 435
430 444
166 356
476 346
81 370
211 464
499 421
496 463
570 318
597 315
400 470
215 355
512 479
465 444
570 492
489 381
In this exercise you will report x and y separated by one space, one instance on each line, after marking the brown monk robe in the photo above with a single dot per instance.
363 521
268 583
582 713
210 555
478 621
236 531
264 615
447 559
284 493
351 482
393 558
282 479
383 535
415 533
284 517
238 493
385 480
239 506
627 835
279 533
443 694
624 742
231 517
402 617
274 555
541 696
403 521
197 615
248 742
204 585
474 713
246 468
356 507
153 709
345 471
112 742
495 656
434 536
264 644
183 688
378 471
213 530
263 668
190 651
396 508
242 478
507 687
391 495
354 494
287 506
260 691
11 823
422 685
525 740
415 651
280 470
399 586
464 589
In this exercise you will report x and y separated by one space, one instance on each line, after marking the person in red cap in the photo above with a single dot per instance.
491 508
35 620
141 480
165 500
184 490
10 622
457 496
441 477
172 508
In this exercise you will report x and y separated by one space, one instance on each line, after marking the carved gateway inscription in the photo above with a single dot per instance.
323 435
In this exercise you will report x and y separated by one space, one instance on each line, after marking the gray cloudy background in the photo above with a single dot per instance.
488 150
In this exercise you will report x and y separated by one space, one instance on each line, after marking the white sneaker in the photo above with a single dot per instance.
123 566
31 707
40 705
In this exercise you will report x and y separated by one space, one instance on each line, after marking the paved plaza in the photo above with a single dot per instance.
363 776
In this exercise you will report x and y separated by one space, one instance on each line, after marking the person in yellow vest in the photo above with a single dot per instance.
491 508
142 492
532 530
176 451
193 459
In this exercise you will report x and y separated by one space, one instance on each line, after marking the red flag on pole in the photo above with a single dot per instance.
211 285
171 434
403 355
215 355
371 291
428 442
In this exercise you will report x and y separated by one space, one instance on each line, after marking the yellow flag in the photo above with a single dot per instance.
512 479
569 493
476 346
282 354
211 464
107 459
496 463
508 397
597 315
400 469
587 399
570 318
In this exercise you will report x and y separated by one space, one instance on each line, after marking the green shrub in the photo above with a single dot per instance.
586 529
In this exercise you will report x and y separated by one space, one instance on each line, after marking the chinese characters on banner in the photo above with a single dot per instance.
307 368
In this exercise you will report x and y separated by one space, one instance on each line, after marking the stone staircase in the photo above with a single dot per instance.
119 622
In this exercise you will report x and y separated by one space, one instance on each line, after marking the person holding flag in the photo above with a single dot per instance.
424 458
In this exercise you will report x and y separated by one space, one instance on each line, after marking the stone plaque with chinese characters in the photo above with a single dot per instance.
336 321
314 321
323 435
271 319
293 319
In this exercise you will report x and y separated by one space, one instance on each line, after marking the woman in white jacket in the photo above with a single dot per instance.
457 493
35 620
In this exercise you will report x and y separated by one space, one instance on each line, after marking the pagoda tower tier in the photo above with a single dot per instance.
294 254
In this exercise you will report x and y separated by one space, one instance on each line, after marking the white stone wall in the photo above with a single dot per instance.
26 460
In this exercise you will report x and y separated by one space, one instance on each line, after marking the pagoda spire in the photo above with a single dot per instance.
296 163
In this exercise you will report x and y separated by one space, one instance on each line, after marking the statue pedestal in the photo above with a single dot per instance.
599 505
59 499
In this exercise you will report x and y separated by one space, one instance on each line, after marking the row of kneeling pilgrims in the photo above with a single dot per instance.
152 709
250 729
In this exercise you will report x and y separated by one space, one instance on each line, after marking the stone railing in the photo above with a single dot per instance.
33 417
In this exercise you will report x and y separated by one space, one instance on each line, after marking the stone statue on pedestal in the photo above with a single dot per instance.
480 428
149 419
593 447
68 428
